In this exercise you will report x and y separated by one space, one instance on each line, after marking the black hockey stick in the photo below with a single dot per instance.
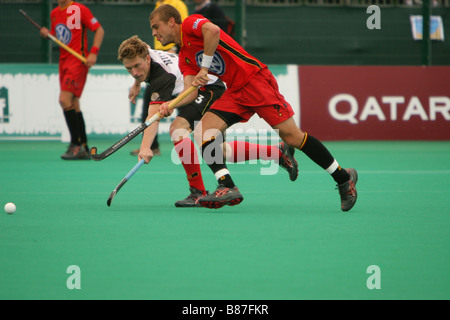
119 144
124 180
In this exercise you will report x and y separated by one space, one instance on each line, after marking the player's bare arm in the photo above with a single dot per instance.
211 36
134 91
150 132
96 43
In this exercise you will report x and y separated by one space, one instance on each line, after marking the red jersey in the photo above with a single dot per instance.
70 24
231 63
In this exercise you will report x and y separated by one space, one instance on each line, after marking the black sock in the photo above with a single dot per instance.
72 124
212 154
318 153
82 129
340 175
226 181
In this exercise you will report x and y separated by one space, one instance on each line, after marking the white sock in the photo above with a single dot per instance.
332 168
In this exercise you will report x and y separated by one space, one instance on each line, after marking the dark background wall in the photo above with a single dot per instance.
301 35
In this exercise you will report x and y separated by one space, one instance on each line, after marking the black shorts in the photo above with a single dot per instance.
194 111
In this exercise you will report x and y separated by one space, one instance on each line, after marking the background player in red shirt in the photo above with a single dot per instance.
251 89
69 23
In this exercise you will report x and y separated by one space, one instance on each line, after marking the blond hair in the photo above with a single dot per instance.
131 48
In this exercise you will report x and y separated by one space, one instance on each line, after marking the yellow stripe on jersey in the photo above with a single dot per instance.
239 55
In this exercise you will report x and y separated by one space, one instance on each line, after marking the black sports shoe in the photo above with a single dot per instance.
71 152
191 200
347 190
221 197
83 154
75 152
287 160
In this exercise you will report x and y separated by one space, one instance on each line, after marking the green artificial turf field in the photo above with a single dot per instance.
286 240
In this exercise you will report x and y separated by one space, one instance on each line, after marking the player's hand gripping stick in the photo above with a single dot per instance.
51 37
119 144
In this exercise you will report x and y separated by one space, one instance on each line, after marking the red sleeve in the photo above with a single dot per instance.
186 70
192 25
52 23
87 19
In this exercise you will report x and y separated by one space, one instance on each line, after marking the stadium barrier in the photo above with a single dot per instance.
375 102
333 102
29 105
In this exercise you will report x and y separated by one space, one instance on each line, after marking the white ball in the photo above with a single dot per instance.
10 208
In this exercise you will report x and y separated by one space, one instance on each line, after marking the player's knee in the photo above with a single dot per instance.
293 138
178 134
179 129
65 104
198 135
67 101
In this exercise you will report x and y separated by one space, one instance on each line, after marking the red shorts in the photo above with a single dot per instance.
261 96
72 76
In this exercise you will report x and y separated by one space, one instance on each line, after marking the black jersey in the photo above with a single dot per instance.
165 80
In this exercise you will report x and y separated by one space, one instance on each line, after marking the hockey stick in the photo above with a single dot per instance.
124 180
119 144
51 37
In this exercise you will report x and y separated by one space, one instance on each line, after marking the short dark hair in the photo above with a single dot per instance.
165 12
